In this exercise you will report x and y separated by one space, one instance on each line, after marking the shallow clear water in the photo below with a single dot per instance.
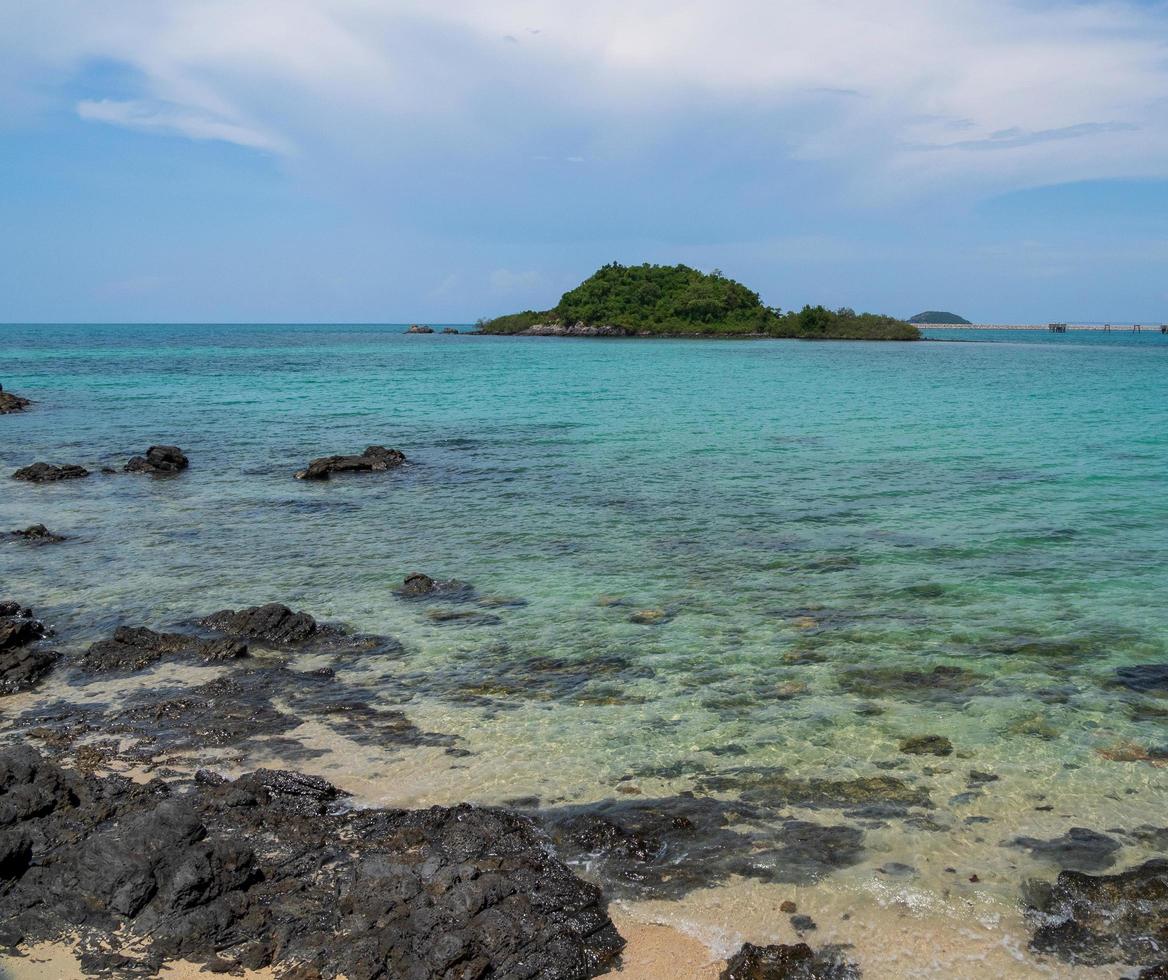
813 528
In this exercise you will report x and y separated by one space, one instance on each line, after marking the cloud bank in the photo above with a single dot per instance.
902 97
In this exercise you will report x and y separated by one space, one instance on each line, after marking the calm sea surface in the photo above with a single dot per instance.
805 532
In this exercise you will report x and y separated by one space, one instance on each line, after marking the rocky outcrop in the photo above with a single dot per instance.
1098 919
419 328
271 869
133 648
450 330
271 623
10 403
35 534
576 330
50 473
159 461
22 662
375 459
796 962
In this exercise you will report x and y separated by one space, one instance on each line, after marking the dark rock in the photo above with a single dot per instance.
10 403
1097 919
450 329
272 623
795 962
22 668
133 648
36 534
926 745
271 870
1157 972
375 459
50 473
159 461
803 923
419 328
1144 677
18 627
418 585
1079 848
22 663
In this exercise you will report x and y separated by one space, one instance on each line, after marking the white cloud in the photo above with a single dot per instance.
1058 91
192 123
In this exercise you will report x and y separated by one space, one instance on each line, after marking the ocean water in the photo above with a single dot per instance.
700 566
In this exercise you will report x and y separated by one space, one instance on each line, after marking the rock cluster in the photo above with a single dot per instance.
272 869
796 962
576 330
159 461
375 459
1098 919
36 534
50 473
272 623
419 328
10 403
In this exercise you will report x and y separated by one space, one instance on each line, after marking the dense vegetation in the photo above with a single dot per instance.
937 316
675 300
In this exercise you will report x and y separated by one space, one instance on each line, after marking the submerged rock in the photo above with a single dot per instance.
10 403
795 962
926 745
665 848
36 534
1097 919
775 788
1144 677
159 461
418 585
271 870
50 473
132 648
375 459
1079 848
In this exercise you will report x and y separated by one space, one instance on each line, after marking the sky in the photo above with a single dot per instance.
404 160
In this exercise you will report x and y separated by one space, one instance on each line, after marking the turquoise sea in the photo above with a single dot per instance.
698 564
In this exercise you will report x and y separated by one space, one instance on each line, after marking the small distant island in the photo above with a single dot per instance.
677 301
938 316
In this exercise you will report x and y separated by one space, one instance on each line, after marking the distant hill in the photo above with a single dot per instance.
937 316
677 301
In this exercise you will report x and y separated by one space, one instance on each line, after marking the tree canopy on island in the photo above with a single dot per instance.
675 300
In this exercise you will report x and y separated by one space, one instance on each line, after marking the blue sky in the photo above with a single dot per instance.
352 160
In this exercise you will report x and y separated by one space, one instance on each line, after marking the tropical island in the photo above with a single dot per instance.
939 316
678 301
